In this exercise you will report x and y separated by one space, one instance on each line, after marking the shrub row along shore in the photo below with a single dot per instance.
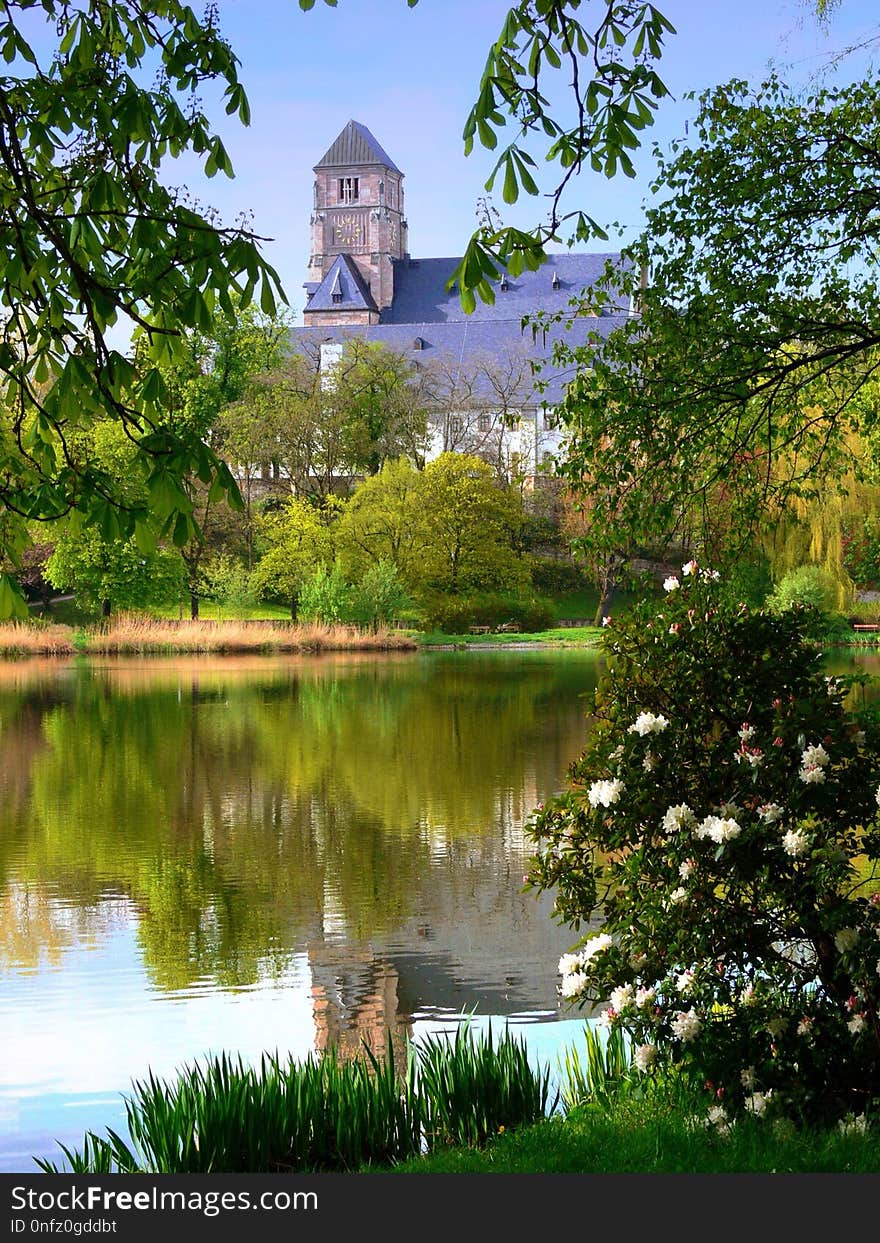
134 635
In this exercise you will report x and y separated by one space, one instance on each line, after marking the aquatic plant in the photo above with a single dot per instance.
323 1113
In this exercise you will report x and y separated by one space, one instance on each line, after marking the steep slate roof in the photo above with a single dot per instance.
420 289
424 312
343 277
356 145
463 340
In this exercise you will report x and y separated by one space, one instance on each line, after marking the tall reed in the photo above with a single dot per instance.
133 634
604 1071
35 639
474 1088
323 1113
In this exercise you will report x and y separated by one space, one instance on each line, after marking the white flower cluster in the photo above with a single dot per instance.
620 997
572 985
795 843
757 1103
679 817
644 1057
686 1025
648 723
846 939
718 830
852 1125
717 1118
644 996
575 962
670 583
685 869
813 762
604 793
771 812
677 895
684 982
571 966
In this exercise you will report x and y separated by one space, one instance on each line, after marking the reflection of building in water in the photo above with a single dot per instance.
355 1002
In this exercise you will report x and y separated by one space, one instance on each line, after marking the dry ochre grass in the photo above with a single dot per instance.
132 634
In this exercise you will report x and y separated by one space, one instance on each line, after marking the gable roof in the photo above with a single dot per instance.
355 145
342 289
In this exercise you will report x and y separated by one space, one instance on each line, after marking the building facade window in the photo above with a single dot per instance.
349 189
456 425
485 422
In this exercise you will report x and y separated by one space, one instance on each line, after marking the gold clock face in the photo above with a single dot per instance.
347 228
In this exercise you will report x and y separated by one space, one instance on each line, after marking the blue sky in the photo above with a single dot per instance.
410 76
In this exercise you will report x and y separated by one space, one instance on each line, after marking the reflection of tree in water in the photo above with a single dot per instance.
36 929
308 804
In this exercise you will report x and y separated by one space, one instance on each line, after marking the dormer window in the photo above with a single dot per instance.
337 297
555 280
418 344
504 285
349 190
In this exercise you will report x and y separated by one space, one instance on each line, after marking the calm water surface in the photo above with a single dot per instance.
250 853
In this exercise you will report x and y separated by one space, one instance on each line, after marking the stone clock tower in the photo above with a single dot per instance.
358 229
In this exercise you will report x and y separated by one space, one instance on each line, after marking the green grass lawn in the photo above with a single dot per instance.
582 605
563 636
644 1137
209 610
577 605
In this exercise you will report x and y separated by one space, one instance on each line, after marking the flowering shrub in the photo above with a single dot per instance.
723 823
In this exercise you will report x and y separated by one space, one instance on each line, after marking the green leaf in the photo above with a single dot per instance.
181 530
510 192
12 601
145 538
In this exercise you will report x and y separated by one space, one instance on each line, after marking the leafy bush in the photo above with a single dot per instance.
228 582
808 585
722 822
861 551
748 580
456 614
380 596
326 597
557 576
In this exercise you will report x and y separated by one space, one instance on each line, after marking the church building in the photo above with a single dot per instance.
363 282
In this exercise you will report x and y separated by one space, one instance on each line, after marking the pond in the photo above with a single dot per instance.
257 853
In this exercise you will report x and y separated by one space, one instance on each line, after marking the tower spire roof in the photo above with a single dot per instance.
355 145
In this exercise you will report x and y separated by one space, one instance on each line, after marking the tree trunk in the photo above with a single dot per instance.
294 605
607 594
194 606
106 608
